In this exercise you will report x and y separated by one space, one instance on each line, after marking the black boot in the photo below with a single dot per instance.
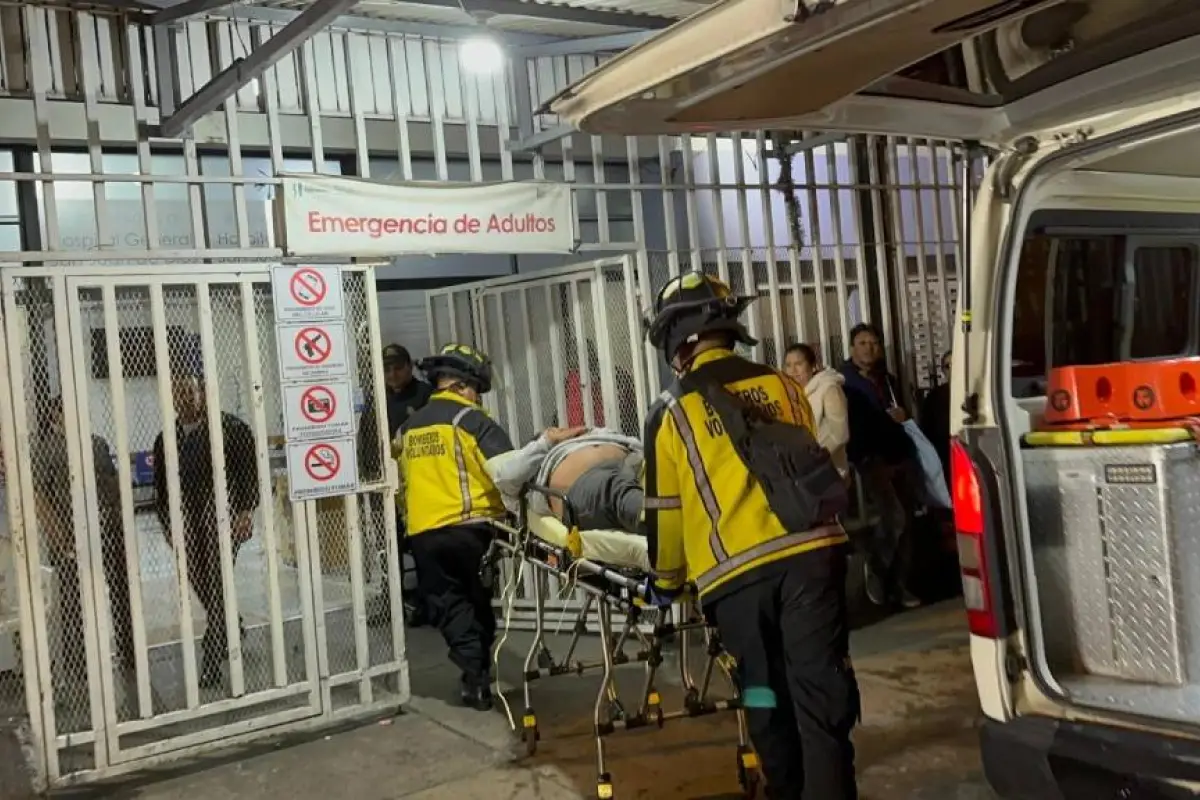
476 693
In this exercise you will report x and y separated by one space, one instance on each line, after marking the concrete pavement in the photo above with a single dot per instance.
918 739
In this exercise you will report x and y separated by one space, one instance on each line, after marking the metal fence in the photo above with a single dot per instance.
569 349
869 234
148 502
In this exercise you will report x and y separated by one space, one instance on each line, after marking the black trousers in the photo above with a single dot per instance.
790 637
203 549
448 562
116 575
892 489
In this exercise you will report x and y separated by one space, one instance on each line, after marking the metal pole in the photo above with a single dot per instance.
964 266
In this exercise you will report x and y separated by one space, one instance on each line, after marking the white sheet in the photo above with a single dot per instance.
617 548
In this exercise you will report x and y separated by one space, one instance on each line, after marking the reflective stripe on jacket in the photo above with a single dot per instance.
707 518
446 447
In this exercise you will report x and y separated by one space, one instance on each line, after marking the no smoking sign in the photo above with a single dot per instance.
322 410
307 294
321 469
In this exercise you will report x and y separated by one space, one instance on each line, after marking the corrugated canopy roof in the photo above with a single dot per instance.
570 18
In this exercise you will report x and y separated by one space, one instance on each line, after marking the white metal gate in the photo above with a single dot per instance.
568 349
164 612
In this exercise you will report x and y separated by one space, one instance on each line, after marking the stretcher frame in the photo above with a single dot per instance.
608 591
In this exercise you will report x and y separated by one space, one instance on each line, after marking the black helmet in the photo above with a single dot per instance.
459 361
692 304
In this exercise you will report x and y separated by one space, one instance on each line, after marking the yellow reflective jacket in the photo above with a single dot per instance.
707 518
446 445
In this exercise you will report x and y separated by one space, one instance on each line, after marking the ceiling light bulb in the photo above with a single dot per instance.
481 54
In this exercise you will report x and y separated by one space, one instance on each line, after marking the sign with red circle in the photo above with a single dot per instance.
322 462
307 294
313 345
324 468
312 353
307 287
318 404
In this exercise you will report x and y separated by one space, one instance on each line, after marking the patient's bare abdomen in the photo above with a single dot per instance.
579 462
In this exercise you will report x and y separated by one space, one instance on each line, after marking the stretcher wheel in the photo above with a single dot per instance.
654 704
604 787
545 660
530 733
748 772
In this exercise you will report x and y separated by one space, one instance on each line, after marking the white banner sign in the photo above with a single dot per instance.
326 215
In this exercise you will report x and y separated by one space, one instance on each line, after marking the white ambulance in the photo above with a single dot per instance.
1080 557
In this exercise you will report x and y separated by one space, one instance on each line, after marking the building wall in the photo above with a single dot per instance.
82 89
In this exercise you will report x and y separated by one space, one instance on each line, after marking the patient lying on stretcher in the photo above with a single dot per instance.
599 472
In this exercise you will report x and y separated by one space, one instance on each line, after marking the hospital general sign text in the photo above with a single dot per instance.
325 215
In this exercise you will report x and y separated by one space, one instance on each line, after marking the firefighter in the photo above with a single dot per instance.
776 595
453 453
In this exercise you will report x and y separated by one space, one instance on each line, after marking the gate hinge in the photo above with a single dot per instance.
1014 665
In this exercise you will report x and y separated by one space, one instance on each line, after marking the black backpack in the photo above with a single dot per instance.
803 487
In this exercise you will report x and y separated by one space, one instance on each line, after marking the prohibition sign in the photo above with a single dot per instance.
322 462
307 287
318 404
313 345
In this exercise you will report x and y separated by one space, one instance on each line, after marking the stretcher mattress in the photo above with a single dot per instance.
616 548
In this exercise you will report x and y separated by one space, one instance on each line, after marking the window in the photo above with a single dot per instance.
1163 299
1095 299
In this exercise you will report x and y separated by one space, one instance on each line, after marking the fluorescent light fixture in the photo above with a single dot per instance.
481 54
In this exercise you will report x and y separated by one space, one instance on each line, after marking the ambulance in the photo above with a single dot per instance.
1079 545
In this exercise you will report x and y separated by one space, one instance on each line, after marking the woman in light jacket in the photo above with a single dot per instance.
823 386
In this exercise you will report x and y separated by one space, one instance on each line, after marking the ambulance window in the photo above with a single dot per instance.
1029 309
1164 299
1085 319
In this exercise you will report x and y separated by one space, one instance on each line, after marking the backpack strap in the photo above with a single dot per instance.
729 407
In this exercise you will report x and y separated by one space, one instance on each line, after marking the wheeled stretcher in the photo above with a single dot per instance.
611 569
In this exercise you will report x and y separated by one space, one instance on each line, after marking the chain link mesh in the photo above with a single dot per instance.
132 571
623 352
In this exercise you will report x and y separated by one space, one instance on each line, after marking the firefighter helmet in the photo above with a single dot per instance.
460 361
693 304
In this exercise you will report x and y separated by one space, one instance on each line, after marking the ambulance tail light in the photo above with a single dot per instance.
971 528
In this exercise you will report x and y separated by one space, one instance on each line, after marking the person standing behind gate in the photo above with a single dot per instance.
55 514
742 502
823 388
198 504
404 395
884 458
451 451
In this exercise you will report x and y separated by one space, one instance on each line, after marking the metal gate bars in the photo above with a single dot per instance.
172 599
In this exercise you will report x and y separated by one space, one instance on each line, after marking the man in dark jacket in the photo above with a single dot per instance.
52 499
883 457
404 395
198 503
